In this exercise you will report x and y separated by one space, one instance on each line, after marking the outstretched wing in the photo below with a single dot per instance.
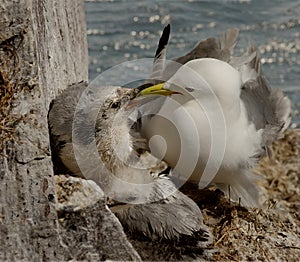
269 109
212 47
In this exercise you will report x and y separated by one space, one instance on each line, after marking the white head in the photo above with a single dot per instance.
198 79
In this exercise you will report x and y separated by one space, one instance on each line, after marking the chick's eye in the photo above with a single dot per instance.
115 104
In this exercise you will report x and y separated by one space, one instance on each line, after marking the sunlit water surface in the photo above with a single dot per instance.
120 31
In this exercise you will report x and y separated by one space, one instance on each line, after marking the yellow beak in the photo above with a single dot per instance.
157 90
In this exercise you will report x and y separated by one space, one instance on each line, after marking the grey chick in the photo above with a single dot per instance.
145 200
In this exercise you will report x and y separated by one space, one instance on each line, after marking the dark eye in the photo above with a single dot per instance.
115 104
189 89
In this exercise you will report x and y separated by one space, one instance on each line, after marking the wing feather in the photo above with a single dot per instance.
160 56
269 109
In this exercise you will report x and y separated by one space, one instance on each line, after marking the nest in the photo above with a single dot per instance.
271 232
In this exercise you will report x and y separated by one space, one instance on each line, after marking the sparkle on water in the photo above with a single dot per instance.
119 31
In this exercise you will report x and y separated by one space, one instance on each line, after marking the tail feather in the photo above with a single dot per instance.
242 189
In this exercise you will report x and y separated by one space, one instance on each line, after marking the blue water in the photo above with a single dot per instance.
121 31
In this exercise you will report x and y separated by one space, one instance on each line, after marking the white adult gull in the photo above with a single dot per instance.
218 117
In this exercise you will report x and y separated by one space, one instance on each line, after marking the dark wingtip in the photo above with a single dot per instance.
164 39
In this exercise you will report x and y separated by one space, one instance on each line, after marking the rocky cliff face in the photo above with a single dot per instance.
43 48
